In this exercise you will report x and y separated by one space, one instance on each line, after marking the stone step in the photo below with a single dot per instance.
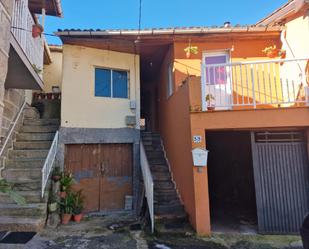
21 224
35 136
156 161
165 191
31 113
176 209
39 128
164 185
21 154
153 148
25 163
33 145
30 197
174 201
25 185
152 142
159 168
30 210
151 138
166 198
161 177
22 174
39 122
155 154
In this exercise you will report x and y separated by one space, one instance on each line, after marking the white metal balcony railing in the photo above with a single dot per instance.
49 163
148 183
255 84
22 21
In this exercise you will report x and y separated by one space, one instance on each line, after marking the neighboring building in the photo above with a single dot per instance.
22 56
52 73
25 139
248 110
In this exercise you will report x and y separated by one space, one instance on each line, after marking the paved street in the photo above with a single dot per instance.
116 232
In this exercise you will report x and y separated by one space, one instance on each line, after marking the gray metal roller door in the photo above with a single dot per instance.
280 162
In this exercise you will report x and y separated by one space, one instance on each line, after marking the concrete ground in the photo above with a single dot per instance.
117 232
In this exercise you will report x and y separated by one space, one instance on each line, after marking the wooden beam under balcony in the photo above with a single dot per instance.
52 7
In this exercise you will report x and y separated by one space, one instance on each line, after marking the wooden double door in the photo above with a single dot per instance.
103 172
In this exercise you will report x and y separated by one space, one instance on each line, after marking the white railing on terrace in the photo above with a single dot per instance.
148 182
21 28
255 84
49 162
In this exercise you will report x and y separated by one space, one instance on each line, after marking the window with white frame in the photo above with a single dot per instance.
111 83
170 80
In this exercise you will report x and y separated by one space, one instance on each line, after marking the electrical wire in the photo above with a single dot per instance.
30 31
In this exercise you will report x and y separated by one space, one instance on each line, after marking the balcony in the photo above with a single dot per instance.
26 53
255 85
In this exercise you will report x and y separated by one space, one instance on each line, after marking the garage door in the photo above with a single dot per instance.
103 172
280 163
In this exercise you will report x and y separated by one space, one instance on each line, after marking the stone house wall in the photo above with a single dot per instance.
10 99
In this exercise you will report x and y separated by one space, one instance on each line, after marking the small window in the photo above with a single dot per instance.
170 80
111 83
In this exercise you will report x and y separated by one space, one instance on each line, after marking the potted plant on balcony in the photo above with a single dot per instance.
209 98
66 182
271 51
191 50
37 30
78 206
67 208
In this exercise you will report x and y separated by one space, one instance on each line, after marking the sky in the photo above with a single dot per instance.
123 14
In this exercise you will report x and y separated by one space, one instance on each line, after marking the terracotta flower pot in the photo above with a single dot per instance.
210 108
78 217
188 54
62 194
37 30
66 218
56 178
272 54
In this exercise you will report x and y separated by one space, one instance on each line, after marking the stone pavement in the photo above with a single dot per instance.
116 232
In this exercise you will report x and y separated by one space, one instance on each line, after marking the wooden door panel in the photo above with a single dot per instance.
116 179
103 172
83 162
113 192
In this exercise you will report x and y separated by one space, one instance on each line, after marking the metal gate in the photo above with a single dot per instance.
280 162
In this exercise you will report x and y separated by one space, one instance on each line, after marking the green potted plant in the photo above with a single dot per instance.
66 182
209 98
67 208
78 206
6 188
191 50
52 203
271 51
56 176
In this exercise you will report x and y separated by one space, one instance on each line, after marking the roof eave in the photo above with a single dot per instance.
158 32
284 11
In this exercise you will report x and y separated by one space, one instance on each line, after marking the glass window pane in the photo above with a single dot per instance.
120 84
102 82
216 74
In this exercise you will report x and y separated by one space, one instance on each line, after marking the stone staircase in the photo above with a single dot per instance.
23 167
167 205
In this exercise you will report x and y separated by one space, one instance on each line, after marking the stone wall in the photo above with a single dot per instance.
6 7
13 100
